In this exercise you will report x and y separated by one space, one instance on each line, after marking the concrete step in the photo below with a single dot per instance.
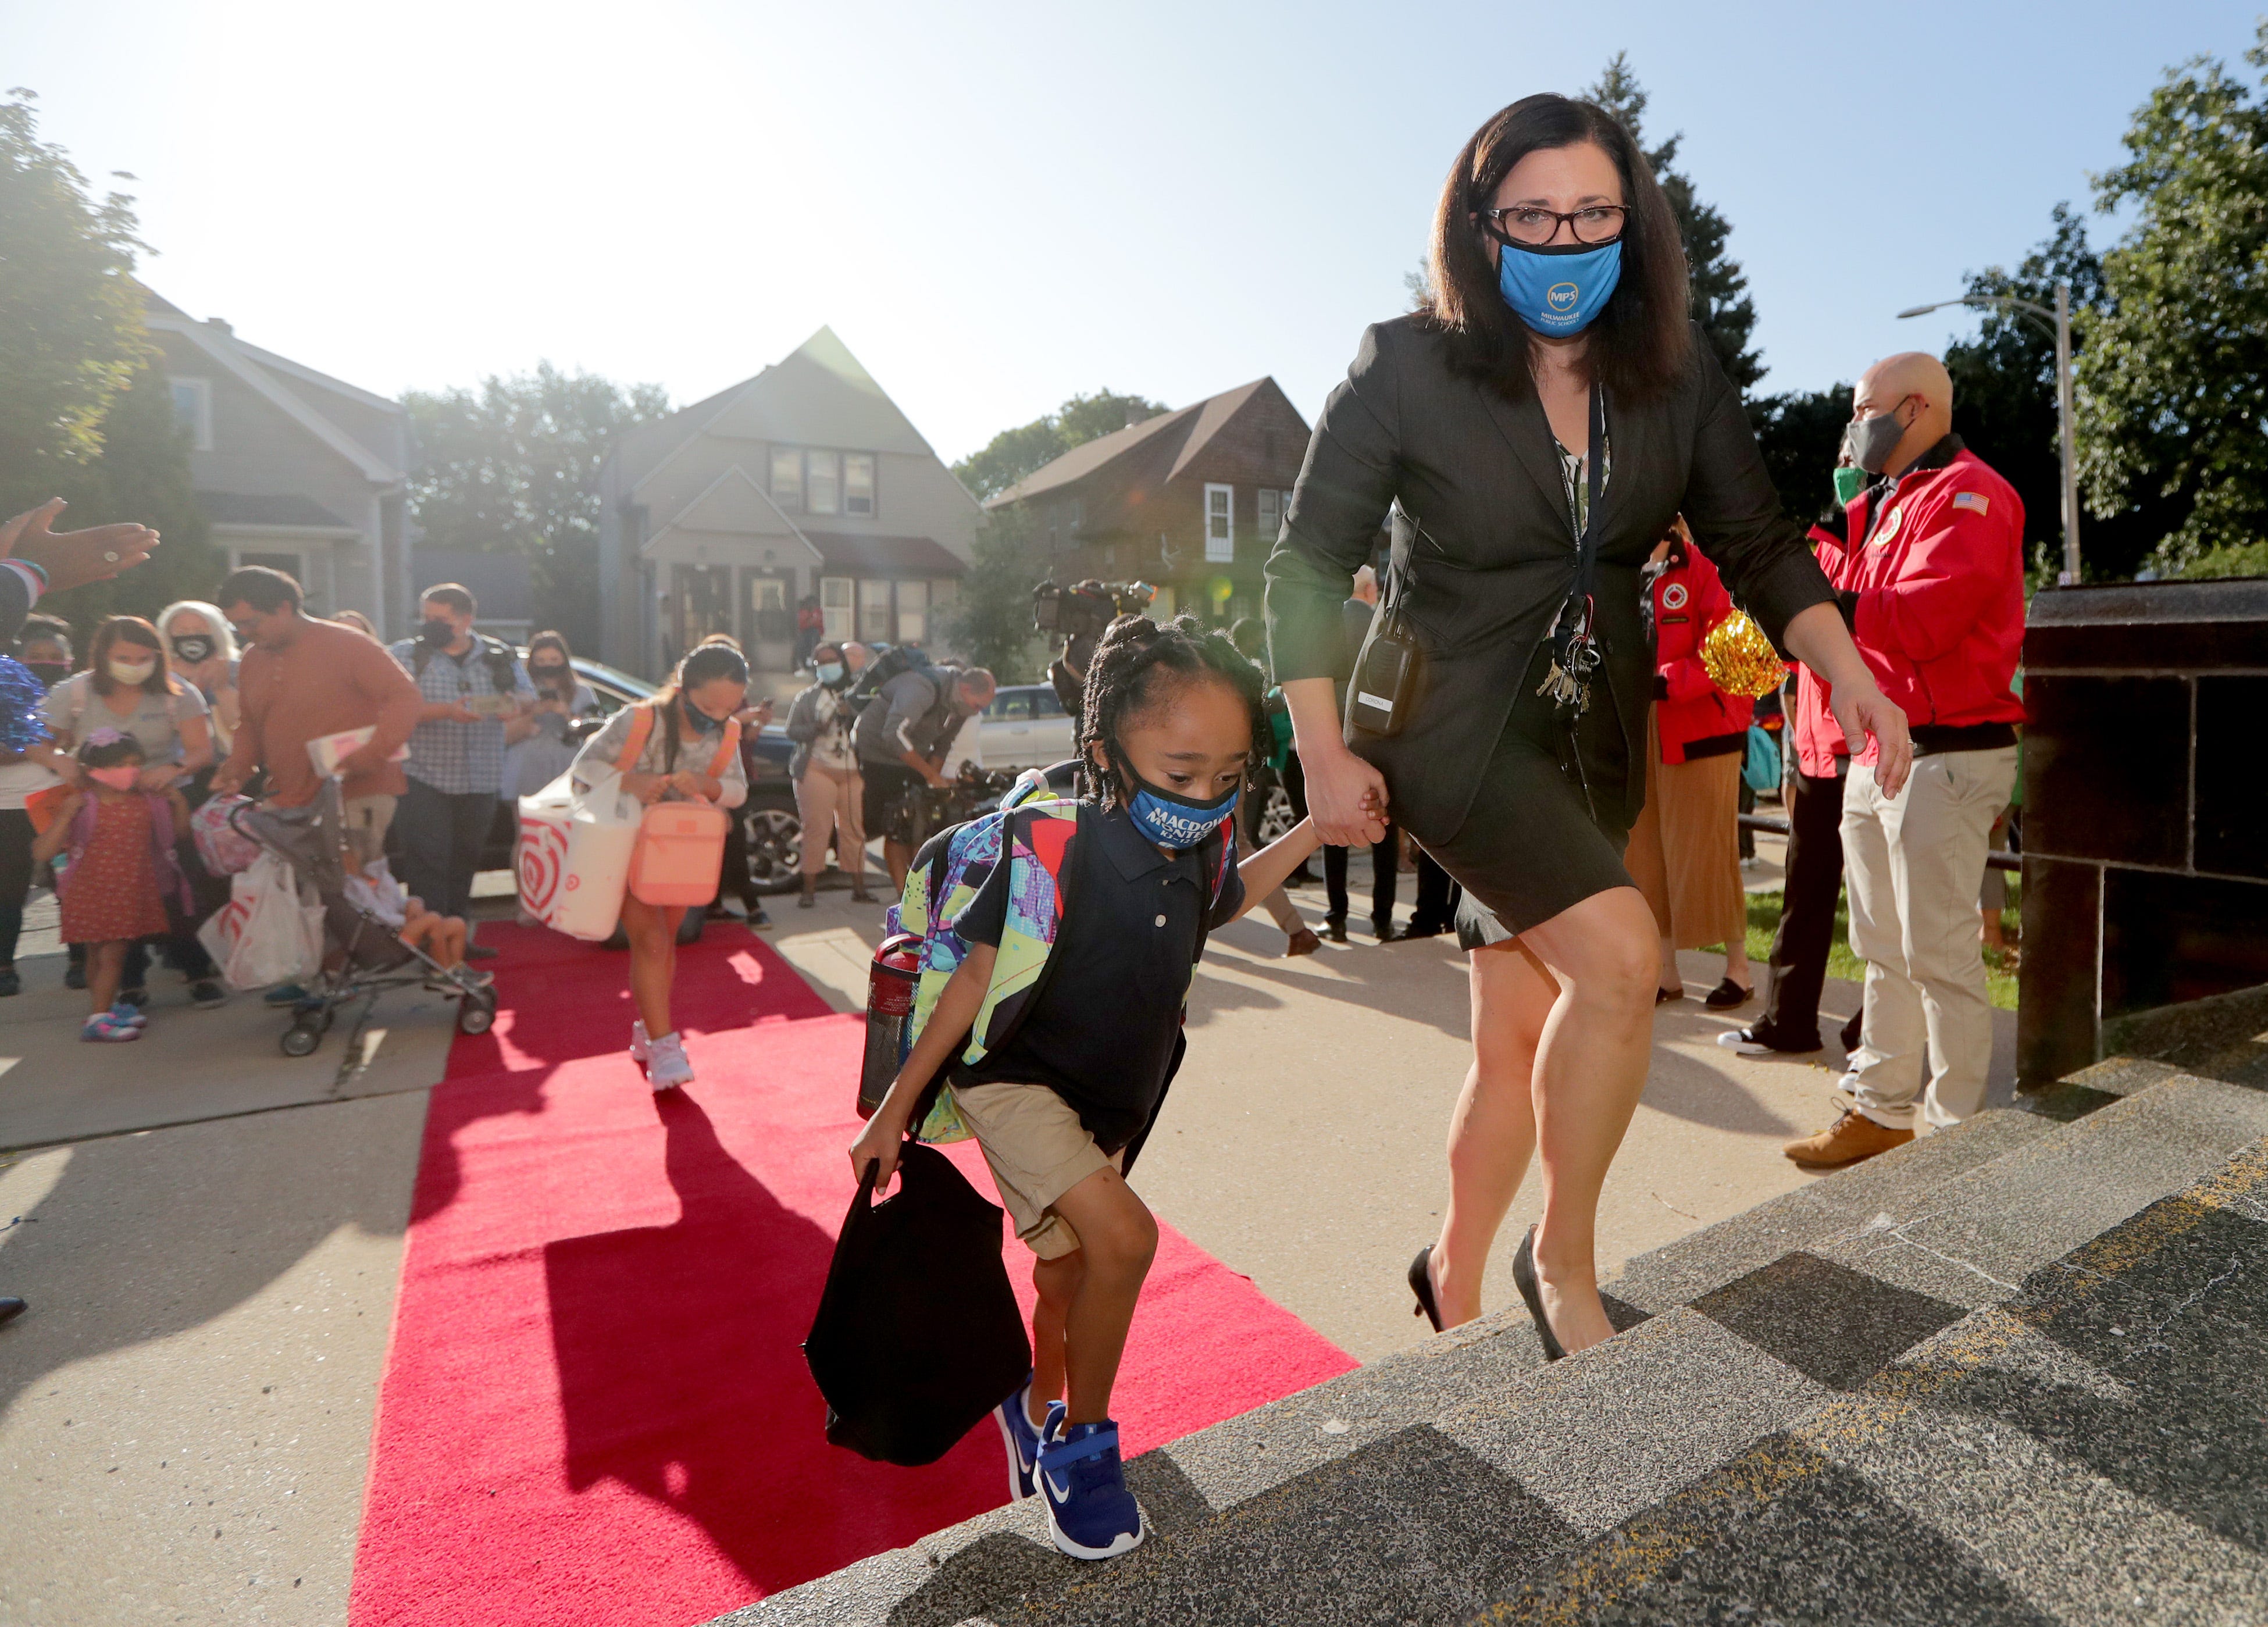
1461 1473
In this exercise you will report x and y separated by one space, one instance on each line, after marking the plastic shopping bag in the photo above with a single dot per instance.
540 860
266 934
918 1335
602 832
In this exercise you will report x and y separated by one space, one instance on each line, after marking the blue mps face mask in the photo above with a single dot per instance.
1175 821
1557 291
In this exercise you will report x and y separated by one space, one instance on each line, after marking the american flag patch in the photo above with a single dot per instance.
1975 500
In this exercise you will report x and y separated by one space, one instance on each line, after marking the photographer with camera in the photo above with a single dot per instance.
903 738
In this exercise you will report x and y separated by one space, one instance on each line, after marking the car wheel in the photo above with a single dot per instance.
775 840
1276 815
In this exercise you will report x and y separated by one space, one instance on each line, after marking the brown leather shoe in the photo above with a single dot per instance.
1847 1140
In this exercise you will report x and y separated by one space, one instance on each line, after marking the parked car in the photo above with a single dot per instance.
1026 727
768 819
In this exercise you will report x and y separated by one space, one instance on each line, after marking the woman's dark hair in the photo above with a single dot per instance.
130 629
707 663
1140 665
110 753
1640 341
40 628
550 641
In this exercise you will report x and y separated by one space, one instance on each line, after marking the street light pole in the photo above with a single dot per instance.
2069 577
2058 320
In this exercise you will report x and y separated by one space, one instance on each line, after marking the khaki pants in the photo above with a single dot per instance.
825 802
1914 863
1037 1151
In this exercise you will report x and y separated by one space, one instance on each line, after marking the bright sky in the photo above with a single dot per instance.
997 206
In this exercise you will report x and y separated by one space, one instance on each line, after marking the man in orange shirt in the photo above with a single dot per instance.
301 680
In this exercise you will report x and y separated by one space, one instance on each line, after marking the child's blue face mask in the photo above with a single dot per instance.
1175 821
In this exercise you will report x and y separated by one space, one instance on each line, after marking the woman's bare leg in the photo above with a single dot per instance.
106 963
1492 1132
653 932
1590 1070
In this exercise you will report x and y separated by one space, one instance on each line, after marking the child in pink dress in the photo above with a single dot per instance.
119 841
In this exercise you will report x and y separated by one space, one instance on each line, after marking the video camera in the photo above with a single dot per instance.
1084 608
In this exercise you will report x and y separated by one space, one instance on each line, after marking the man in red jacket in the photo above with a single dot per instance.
1931 576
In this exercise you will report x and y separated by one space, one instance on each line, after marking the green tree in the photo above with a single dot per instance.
1800 434
1721 305
2173 377
512 466
1013 453
991 622
85 414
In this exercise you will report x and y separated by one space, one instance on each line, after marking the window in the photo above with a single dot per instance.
1010 703
193 410
858 483
822 483
1271 516
873 611
913 613
290 565
1220 524
1046 704
835 608
787 477
1077 514
772 622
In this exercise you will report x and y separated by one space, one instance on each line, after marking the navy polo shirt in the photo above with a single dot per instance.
1101 1033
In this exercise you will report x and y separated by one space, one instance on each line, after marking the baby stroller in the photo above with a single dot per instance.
361 952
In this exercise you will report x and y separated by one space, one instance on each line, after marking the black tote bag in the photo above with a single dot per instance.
917 1335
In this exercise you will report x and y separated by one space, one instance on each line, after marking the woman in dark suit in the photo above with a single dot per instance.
1551 388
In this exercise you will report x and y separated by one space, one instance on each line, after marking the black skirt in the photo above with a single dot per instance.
1545 830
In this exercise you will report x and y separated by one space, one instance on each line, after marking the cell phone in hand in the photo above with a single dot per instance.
492 705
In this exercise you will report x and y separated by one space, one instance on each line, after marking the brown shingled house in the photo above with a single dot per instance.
1189 501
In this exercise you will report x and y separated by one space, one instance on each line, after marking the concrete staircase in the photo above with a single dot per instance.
2016 1372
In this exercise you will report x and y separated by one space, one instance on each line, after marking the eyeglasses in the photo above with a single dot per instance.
1601 223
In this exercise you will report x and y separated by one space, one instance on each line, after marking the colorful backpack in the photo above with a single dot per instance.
1034 832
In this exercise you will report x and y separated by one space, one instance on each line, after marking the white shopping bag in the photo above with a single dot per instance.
602 832
540 860
266 934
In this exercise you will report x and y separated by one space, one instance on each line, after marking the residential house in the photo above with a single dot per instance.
1189 501
804 481
293 468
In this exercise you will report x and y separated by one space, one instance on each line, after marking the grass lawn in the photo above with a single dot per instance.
1763 920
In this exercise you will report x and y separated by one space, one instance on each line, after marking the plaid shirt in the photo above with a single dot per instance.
462 759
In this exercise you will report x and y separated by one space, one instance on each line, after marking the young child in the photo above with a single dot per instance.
688 726
371 887
120 839
1173 721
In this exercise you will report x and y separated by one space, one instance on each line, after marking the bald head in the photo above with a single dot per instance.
1914 386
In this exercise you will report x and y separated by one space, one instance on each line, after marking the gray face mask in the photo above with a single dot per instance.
1872 440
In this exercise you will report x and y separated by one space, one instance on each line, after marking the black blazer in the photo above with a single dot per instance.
1478 474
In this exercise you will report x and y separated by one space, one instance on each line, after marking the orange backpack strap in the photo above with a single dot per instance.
725 752
641 731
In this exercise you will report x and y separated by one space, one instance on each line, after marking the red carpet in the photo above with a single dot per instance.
595 1409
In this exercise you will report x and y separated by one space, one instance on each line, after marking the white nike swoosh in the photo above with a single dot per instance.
1061 1493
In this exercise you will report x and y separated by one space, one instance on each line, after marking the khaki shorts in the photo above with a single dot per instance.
1038 1150
366 819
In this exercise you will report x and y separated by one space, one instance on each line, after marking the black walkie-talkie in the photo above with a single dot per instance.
1389 671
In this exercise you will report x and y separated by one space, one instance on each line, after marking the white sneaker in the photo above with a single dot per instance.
667 1067
641 1047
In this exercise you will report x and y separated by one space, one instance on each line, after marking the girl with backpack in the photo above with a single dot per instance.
119 834
1079 932
681 745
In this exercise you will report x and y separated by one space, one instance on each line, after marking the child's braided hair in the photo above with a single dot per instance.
1138 665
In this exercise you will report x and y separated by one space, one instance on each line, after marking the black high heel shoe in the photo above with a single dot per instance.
1421 1284
1523 1272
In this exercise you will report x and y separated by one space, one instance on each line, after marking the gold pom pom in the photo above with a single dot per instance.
1740 659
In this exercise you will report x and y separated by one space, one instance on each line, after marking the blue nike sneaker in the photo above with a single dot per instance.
1023 1437
1091 1515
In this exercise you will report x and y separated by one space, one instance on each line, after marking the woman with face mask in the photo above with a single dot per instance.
539 744
689 719
203 652
130 685
828 789
1533 428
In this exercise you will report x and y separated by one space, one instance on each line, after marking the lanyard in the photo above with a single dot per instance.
1574 641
